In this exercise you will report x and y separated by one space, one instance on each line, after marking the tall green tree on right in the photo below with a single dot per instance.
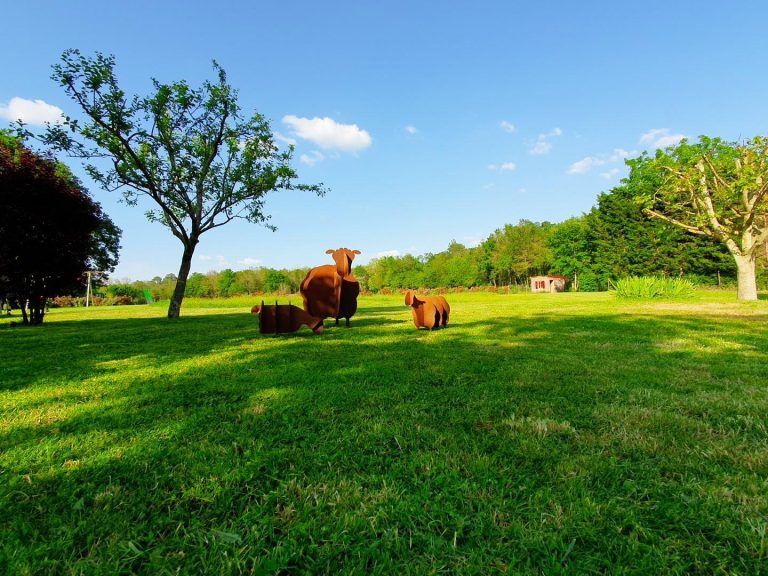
713 188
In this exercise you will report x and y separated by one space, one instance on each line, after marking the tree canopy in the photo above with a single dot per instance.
51 231
188 150
716 189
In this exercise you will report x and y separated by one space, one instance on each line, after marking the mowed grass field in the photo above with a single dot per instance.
537 434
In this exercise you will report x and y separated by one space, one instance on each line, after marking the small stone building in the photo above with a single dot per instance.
548 283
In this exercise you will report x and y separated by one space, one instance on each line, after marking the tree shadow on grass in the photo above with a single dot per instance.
466 439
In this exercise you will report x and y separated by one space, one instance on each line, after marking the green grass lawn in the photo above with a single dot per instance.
537 434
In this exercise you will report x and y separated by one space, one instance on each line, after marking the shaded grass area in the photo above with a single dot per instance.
546 434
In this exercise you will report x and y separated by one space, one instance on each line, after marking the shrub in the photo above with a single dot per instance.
67 302
588 282
653 287
118 290
123 300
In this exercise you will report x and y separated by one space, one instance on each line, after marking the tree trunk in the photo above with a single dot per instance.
745 277
181 281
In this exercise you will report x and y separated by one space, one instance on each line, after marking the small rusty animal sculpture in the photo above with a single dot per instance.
428 312
331 291
284 318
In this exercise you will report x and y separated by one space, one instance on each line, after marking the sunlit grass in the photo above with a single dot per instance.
554 433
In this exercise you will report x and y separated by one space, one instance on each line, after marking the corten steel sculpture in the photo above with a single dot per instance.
428 311
331 291
284 318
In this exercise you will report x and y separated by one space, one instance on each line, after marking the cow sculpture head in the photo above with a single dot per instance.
343 258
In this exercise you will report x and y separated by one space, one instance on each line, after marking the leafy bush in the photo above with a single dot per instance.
121 300
115 290
653 287
588 281
67 302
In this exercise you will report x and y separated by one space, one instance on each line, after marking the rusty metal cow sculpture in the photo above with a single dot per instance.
284 318
428 311
331 291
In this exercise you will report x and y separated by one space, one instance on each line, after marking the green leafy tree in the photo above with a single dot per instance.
394 272
715 189
485 265
624 240
572 253
276 281
248 282
224 282
189 151
456 266
197 285
519 251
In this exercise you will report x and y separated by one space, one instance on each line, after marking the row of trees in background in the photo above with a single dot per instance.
692 209
696 209
615 239
224 283
620 236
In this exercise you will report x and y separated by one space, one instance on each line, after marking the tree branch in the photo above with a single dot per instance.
692 229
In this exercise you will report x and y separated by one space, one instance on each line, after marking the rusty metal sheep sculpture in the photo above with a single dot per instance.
428 311
284 318
331 291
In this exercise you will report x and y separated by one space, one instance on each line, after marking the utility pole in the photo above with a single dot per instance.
88 289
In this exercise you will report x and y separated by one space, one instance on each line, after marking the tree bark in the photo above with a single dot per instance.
745 277
174 309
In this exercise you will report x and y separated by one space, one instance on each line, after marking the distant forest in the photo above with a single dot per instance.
615 239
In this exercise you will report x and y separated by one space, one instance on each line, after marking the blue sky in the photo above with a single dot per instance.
428 122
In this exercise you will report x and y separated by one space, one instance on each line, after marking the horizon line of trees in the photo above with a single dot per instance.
613 240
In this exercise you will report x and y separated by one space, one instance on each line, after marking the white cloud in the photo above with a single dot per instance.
283 138
660 138
35 112
250 262
541 147
507 126
586 164
504 167
219 259
543 144
473 240
581 166
610 174
387 253
621 154
329 134
411 130
312 158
